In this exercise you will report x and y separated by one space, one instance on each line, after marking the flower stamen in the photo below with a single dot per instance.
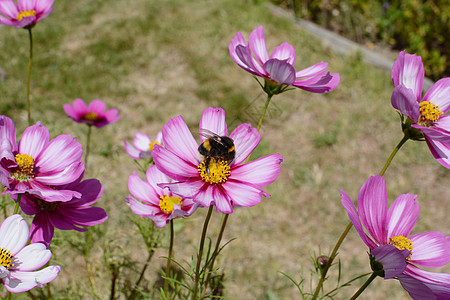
6 258
167 203
401 243
26 13
429 113
215 172
91 116
151 146
25 167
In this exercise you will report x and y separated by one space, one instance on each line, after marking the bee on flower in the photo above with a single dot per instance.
214 172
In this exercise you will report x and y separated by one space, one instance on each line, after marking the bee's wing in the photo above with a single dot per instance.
207 134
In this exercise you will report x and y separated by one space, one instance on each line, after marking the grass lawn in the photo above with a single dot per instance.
154 60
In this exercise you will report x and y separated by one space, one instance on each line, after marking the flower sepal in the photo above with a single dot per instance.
272 88
409 131
376 266
388 261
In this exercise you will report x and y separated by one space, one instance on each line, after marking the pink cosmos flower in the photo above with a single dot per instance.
142 145
25 13
64 215
94 114
39 164
279 67
426 114
221 183
379 226
18 261
156 203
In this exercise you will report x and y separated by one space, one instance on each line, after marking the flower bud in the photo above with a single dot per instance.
322 261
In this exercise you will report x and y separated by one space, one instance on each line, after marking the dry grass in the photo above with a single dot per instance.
157 60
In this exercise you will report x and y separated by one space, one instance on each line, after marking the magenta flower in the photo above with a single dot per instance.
379 226
94 114
25 13
17 261
39 164
156 203
221 183
64 215
426 114
278 69
142 146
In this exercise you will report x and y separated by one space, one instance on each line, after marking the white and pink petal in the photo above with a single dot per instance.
243 194
402 216
246 139
440 151
178 139
58 154
31 257
33 140
408 71
257 43
284 52
142 190
14 234
439 94
213 120
280 71
372 208
142 209
25 281
173 166
354 218
262 171
430 249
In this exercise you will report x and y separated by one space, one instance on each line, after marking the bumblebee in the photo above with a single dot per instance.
217 147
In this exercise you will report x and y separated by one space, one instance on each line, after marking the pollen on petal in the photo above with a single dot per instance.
6 258
167 203
401 243
25 167
151 146
429 113
90 116
26 13
215 172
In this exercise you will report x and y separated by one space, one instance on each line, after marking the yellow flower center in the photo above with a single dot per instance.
25 167
91 116
6 258
216 172
151 146
167 202
429 113
401 243
26 13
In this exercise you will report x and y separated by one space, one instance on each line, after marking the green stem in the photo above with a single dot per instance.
363 287
29 75
200 252
215 253
166 281
141 276
225 219
16 209
88 142
264 112
330 260
399 145
350 225
87 248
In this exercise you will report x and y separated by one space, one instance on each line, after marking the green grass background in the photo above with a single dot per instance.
155 60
